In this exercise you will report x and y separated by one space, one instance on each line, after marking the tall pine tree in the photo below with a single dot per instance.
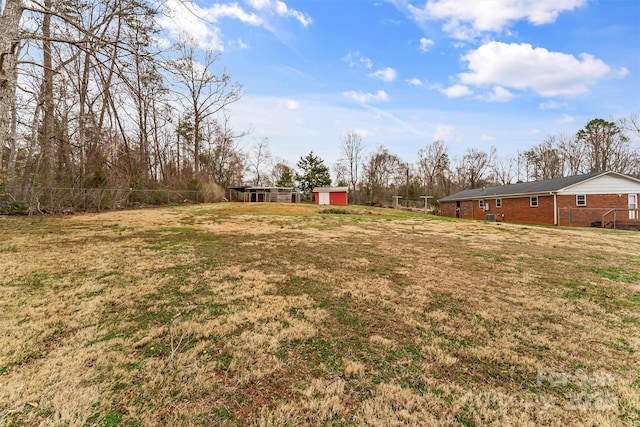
314 174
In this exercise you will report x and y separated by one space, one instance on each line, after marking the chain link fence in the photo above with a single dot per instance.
69 200
619 219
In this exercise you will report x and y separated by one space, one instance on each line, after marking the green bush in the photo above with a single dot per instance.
9 205
335 211
13 207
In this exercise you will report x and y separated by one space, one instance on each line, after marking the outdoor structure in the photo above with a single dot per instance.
264 194
337 196
606 199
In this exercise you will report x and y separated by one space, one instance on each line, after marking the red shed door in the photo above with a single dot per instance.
339 198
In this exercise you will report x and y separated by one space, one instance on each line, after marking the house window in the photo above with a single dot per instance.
481 204
498 203
581 200
533 201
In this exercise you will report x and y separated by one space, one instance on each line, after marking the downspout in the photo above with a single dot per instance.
555 208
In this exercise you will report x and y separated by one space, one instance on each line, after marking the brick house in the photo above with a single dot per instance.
595 199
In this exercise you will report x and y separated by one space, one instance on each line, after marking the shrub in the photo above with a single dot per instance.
212 192
339 211
10 205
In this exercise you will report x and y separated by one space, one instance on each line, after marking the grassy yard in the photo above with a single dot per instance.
275 315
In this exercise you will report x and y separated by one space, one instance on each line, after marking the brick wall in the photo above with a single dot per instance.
583 216
519 209
512 210
448 209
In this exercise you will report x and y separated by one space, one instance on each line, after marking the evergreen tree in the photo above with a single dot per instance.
314 174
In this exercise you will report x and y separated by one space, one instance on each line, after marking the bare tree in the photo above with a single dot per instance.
573 155
10 41
257 162
607 147
433 162
282 174
380 169
351 150
342 174
631 123
475 166
505 170
226 163
544 160
208 93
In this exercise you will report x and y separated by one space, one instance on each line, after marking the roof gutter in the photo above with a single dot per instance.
502 196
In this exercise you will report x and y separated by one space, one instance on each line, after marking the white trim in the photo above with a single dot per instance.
331 190
619 175
584 197
555 209
531 205
498 203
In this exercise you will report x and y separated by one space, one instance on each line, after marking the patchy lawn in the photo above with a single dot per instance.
269 315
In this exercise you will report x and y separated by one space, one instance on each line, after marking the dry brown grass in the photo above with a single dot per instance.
248 314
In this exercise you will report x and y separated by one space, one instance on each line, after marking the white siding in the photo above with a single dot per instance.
606 184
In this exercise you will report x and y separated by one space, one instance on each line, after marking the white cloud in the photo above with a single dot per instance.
186 18
386 74
363 132
622 72
180 19
415 82
366 97
426 44
456 91
566 119
281 9
288 103
499 94
355 58
464 19
291 104
521 66
231 10
485 137
552 105
444 132
259 4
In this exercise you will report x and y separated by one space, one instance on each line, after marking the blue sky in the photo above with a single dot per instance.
473 73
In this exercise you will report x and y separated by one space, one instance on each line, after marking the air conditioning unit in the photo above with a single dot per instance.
490 217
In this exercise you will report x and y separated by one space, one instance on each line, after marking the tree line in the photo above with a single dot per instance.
374 177
90 98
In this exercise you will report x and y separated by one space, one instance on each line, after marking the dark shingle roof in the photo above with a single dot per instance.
523 188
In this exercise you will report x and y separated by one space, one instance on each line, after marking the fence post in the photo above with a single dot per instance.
571 217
